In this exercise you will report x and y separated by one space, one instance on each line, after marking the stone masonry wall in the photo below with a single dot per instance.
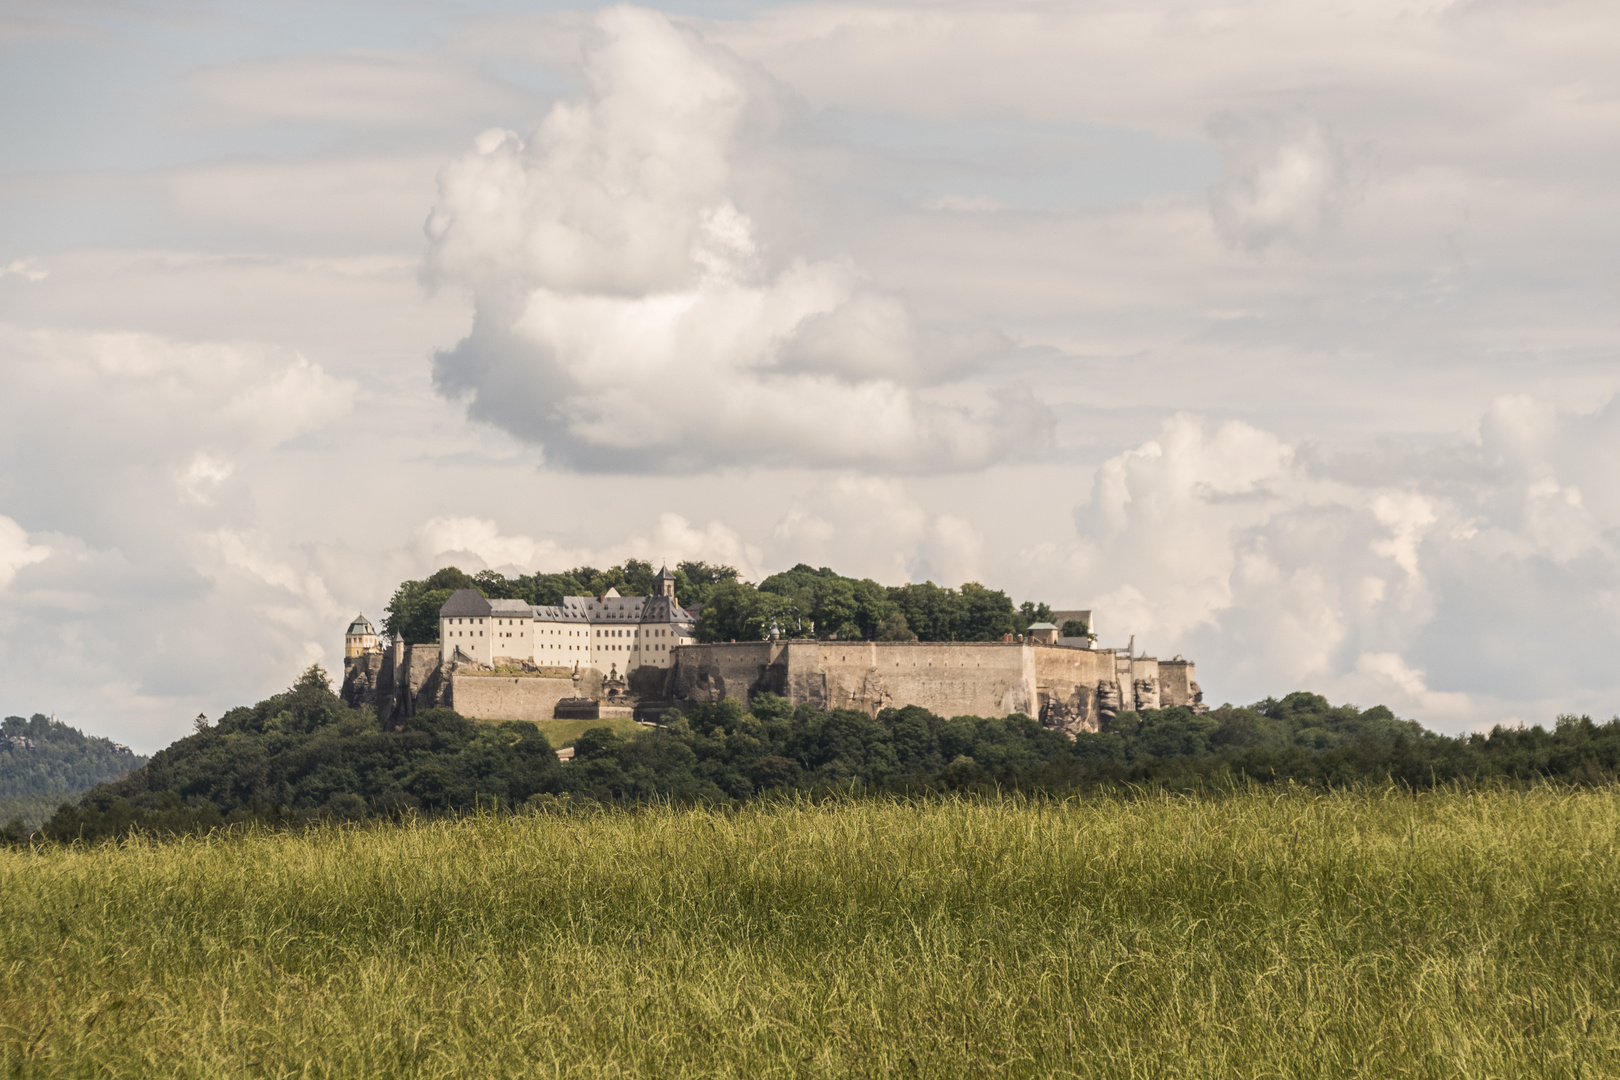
1073 690
952 679
1062 687
507 697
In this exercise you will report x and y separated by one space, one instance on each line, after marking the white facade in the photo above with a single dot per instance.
605 632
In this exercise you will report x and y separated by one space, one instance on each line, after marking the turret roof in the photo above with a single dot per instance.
361 625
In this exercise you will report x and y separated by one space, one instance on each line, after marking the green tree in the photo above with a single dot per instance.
638 577
731 613
548 590
987 614
933 613
1075 628
493 584
893 627
835 609
695 580
413 613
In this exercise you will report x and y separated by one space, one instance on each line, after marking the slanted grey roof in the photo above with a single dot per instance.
560 613
664 575
1041 626
464 603
616 610
361 625
511 609
662 609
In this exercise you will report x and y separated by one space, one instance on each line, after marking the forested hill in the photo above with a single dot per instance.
304 755
801 602
41 756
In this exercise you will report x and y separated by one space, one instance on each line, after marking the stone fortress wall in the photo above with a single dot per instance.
1064 683
1071 689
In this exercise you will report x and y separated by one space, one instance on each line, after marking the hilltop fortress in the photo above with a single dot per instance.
613 655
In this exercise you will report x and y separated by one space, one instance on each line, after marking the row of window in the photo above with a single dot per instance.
653 632
660 647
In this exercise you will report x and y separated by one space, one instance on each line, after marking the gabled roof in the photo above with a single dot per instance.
464 603
1041 626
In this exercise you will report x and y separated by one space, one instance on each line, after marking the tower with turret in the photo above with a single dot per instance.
360 639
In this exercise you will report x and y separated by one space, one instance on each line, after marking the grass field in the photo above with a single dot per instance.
561 733
1371 934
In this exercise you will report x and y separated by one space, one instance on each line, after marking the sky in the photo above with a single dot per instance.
1285 336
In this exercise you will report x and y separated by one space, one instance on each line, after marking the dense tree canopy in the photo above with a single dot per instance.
801 602
304 755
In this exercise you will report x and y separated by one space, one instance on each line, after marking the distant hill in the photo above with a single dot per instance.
44 762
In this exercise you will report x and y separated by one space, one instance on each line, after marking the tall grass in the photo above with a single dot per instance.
1372 934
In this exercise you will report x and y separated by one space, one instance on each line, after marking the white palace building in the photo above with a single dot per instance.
626 632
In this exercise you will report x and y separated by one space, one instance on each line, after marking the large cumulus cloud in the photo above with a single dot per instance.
629 316
1461 581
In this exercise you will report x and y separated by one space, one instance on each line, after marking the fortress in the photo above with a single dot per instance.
592 657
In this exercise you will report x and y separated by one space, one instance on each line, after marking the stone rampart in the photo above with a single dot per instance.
486 696
1072 690
952 679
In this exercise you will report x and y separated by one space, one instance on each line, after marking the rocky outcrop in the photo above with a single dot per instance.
397 682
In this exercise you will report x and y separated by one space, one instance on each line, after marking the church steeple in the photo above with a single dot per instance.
664 583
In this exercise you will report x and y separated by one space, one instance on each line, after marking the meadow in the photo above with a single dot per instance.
1373 932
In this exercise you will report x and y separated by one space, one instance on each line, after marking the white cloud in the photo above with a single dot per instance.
477 543
16 551
1434 581
629 317
867 526
28 269
1280 177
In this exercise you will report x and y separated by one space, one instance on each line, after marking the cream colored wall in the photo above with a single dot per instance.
562 644
654 646
472 635
513 638
610 645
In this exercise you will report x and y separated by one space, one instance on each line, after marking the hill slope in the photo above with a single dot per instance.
44 762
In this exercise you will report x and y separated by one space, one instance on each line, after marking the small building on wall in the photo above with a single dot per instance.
360 639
